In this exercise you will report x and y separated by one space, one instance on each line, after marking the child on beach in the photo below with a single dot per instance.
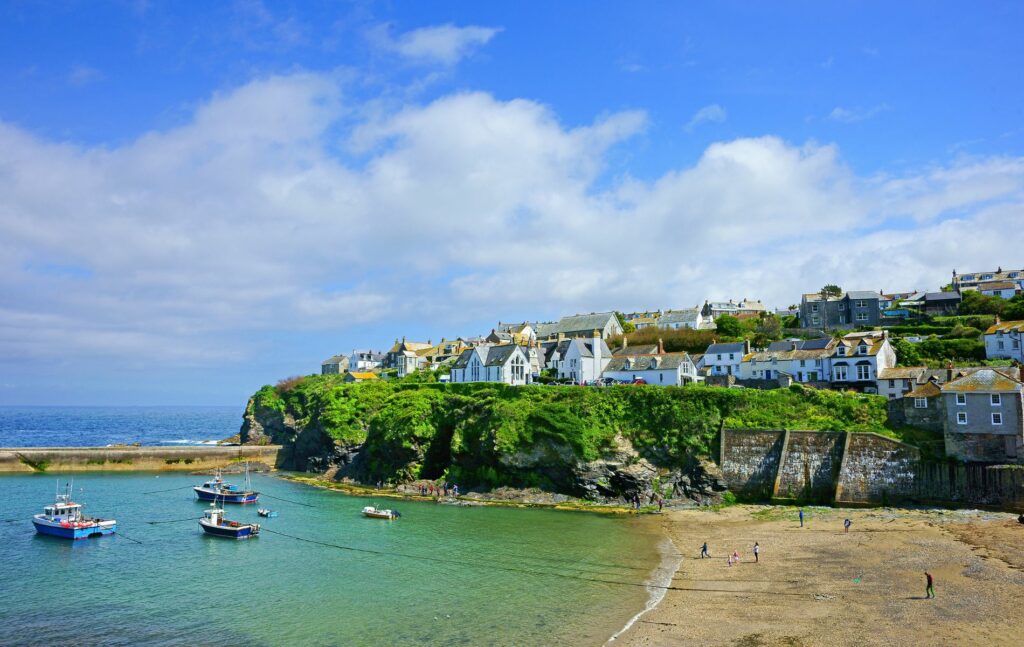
846 525
757 552
704 551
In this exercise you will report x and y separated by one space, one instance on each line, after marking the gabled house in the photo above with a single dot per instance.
334 365
508 364
857 358
406 356
978 280
712 310
360 376
725 359
689 318
984 419
659 368
1001 289
521 334
803 360
1005 340
854 308
583 360
606 323
365 360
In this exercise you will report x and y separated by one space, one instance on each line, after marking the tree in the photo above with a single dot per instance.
770 326
976 303
831 290
729 326
906 353
627 326
1014 310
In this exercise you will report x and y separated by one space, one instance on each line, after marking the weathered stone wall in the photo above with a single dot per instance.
105 459
903 412
750 461
982 447
810 465
877 470
999 486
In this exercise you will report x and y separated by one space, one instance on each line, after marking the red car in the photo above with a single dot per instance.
639 380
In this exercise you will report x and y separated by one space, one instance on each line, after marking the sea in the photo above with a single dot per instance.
319 574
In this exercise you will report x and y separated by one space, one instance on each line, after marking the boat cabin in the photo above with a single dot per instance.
61 511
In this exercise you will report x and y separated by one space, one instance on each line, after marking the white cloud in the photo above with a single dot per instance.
711 113
443 44
853 115
185 245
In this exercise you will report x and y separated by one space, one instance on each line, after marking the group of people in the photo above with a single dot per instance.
734 558
445 489
635 502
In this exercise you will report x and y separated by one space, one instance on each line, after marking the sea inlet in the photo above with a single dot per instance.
319 574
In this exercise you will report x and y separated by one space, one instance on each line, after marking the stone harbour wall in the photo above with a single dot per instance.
106 459
750 461
811 464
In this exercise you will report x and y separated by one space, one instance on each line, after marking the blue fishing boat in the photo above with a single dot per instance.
217 489
214 523
65 519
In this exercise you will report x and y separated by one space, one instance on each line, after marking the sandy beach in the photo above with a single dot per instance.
818 585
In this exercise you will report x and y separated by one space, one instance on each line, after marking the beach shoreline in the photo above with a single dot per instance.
819 585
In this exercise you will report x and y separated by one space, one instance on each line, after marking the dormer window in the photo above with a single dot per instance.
985 277
841 350
969 277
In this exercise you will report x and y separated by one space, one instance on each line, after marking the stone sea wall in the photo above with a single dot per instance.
88 459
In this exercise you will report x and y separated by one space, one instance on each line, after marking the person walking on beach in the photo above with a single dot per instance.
846 525
661 504
929 591
801 517
735 557
757 552
704 551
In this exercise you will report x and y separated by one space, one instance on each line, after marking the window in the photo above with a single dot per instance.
1013 275
841 351
961 399
920 403
961 418
661 377
864 372
892 384
969 277
732 355
1016 343
861 303
803 363
861 350
996 399
814 307
892 396
842 307
997 419
815 320
719 356
999 344
985 277
840 373
862 316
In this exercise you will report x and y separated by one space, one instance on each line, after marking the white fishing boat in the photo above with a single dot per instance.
375 513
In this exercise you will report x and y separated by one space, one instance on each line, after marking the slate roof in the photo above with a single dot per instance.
1005 326
998 285
926 390
642 349
575 324
463 360
734 347
689 316
862 294
644 362
336 359
902 373
586 347
498 355
984 380
932 297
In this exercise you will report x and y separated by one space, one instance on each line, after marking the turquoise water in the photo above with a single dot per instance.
441 575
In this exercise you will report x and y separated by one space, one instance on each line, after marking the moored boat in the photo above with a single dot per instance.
374 513
217 489
65 519
266 512
214 523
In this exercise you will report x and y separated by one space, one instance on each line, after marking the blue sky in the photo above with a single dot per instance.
199 198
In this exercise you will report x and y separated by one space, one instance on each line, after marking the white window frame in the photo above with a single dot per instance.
997 419
961 399
995 399
961 417
863 371
841 373
920 403
862 316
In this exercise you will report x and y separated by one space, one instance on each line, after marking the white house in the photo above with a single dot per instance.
509 364
580 326
725 359
858 358
1003 289
1003 340
665 369
803 360
365 360
689 318
583 360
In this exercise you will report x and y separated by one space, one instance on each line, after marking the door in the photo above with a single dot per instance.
1011 447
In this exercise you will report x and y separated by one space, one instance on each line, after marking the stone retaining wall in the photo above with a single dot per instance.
86 459
810 466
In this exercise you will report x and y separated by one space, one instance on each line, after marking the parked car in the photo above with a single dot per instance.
639 380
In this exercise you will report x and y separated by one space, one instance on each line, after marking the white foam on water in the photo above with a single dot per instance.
658 583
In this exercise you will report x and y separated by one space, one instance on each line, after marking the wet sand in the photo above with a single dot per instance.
820 586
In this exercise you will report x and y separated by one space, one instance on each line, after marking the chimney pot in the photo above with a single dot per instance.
661 346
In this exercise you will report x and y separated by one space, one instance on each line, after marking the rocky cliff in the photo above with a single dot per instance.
598 444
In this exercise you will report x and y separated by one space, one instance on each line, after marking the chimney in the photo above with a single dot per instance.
661 346
997 318
597 354
561 336
625 342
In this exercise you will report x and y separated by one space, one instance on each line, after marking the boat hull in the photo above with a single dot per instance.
82 531
220 497
244 531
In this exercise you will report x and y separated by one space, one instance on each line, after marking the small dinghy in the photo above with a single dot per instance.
214 523
374 513
266 512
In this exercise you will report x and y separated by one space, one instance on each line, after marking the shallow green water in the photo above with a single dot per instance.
444 575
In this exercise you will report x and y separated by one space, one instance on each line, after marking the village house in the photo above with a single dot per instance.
360 376
984 417
902 381
521 334
659 368
802 360
978 280
508 364
691 318
854 308
1001 289
365 360
858 357
583 360
712 310
725 359
921 407
1003 340
334 365
403 356
580 326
